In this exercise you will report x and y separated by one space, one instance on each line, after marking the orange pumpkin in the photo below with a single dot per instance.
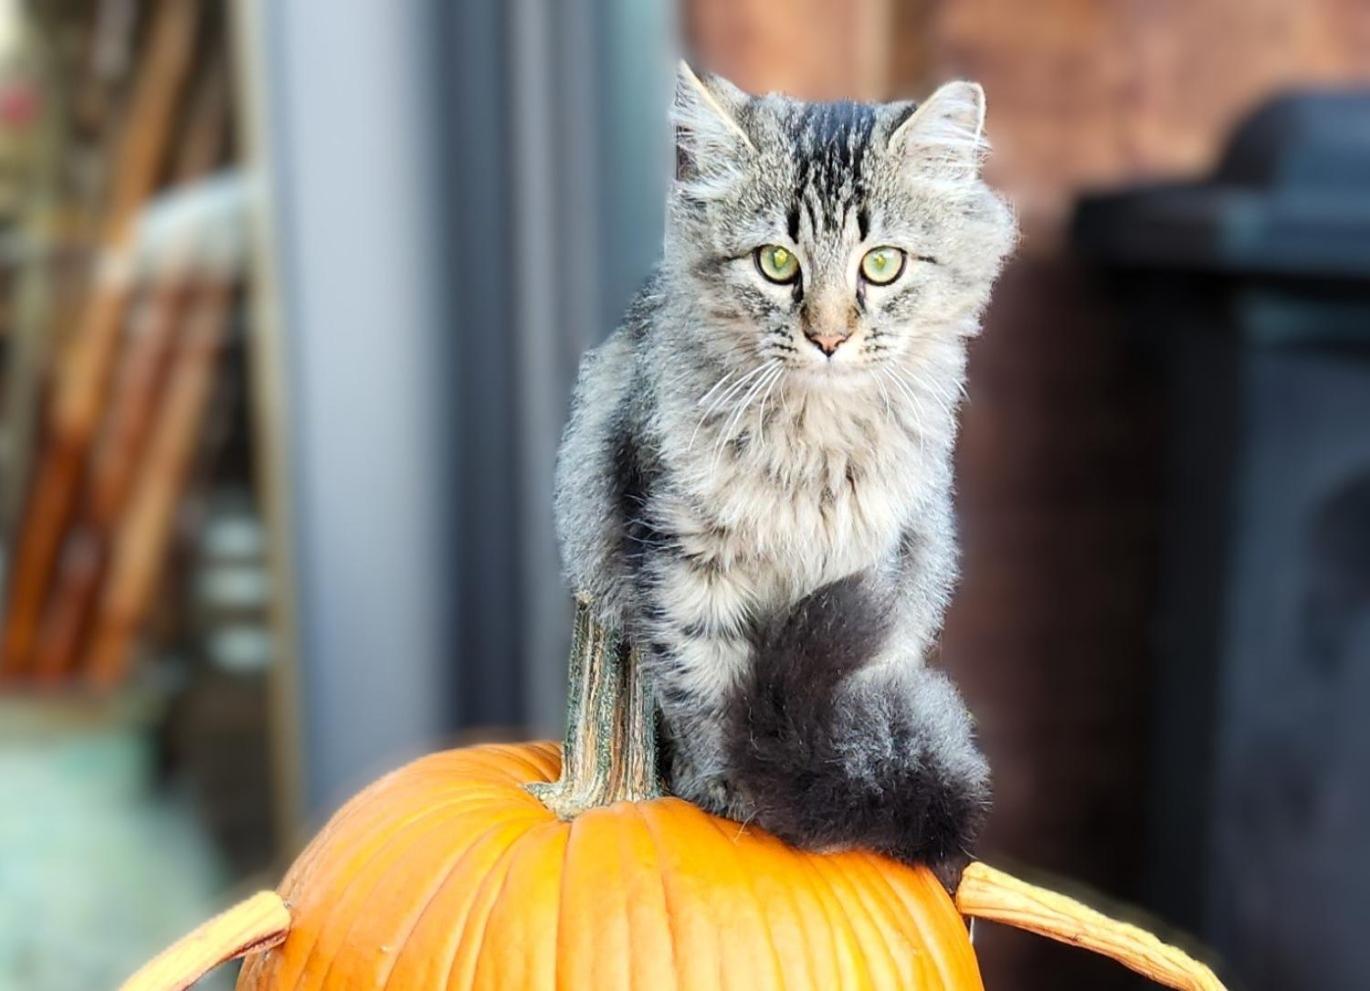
448 873
497 867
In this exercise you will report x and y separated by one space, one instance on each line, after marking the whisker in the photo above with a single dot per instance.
911 390
765 396
736 388
723 398
727 435
705 398
941 402
919 415
889 411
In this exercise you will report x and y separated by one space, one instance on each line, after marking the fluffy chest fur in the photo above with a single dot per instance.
814 486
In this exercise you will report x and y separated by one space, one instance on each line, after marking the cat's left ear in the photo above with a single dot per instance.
944 138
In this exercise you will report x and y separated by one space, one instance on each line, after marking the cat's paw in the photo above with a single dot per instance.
710 792
722 799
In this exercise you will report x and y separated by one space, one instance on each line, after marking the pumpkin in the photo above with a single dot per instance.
502 867
449 873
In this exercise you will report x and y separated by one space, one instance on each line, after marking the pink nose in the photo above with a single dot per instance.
827 343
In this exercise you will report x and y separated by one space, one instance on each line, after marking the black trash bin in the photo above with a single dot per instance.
1253 290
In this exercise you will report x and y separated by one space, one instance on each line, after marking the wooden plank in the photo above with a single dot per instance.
84 366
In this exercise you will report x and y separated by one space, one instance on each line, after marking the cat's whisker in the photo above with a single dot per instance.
723 398
920 415
879 381
912 391
772 369
946 405
736 388
894 380
716 386
765 396
735 421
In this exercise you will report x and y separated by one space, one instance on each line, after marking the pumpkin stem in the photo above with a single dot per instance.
610 749
257 924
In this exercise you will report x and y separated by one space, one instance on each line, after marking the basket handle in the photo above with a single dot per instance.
258 923
988 893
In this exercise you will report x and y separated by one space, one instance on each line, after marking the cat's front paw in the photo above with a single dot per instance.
710 792
720 798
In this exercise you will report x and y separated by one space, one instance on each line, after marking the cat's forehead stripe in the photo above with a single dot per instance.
829 142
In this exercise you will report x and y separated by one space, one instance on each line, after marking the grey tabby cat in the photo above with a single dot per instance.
756 481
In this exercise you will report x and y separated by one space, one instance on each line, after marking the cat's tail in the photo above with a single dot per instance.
834 750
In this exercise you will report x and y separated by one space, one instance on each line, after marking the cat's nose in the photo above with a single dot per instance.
827 343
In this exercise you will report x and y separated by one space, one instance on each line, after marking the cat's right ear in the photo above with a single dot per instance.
709 140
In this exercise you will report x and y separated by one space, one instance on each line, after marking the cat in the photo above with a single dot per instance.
755 483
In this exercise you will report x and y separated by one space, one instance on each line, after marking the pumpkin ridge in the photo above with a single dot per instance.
877 887
665 896
456 929
574 828
823 896
887 911
561 901
845 902
814 893
361 856
762 913
672 901
549 759
951 970
369 800
446 875
487 766
412 842
529 847
871 865
500 869
649 917
605 836
802 918
627 906
877 909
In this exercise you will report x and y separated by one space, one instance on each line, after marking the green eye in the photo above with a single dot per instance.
882 266
777 264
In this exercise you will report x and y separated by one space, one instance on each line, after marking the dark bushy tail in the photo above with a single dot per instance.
829 755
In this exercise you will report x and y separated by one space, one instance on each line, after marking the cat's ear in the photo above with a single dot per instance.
944 138
708 138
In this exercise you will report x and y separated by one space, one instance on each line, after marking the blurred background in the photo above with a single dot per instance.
291 300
